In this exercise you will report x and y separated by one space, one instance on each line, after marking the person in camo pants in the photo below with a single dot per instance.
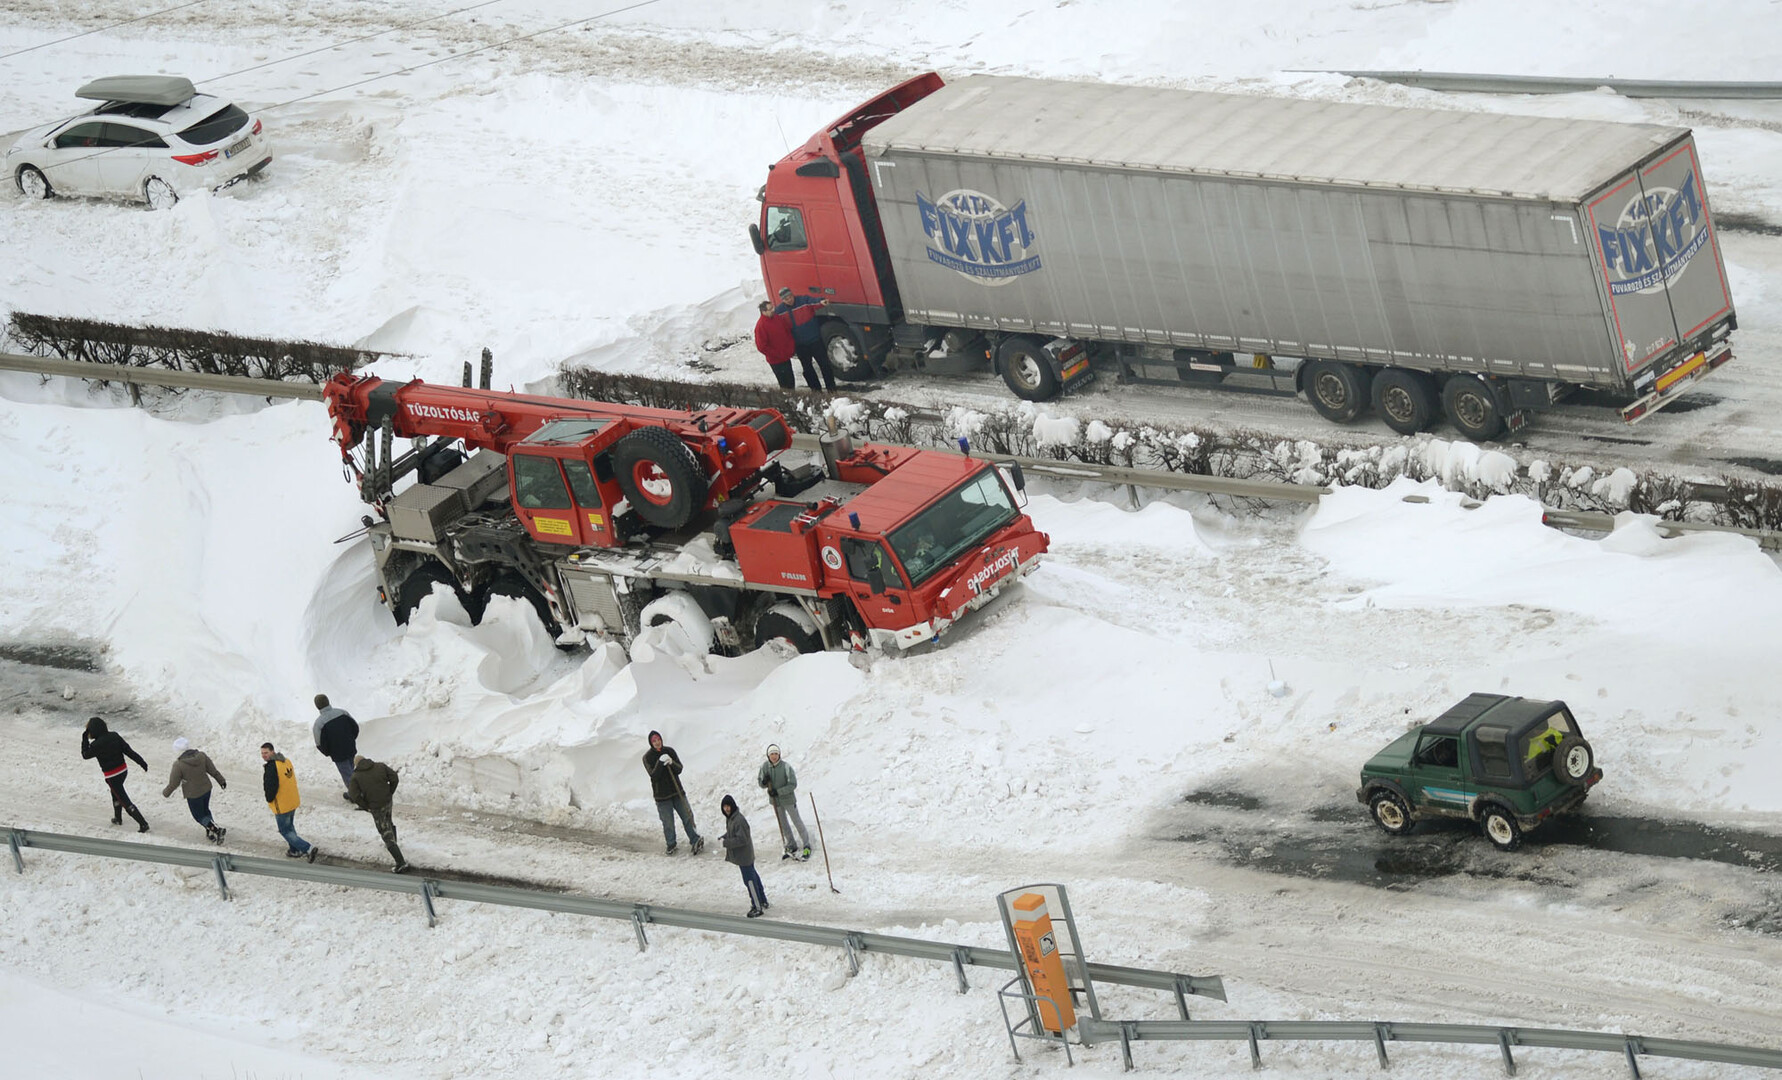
373 790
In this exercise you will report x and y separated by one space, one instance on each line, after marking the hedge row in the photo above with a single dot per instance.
203 351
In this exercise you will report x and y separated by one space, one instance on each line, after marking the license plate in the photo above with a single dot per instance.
236 148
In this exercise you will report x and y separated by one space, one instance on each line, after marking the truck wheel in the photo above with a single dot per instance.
660 477
791 624
1405 399
1573 759
1390 812
418 585
1338 391
1026 370
512 584
1500 828
1470 406
846 352
681 613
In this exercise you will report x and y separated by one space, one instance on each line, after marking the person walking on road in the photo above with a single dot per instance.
337 736
99 741
192 772
807 336
781 782
739 848
373 789
280 782
664 767
773 337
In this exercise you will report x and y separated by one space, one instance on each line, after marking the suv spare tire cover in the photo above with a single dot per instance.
1573 759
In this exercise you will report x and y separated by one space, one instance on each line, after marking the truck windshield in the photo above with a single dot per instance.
962 517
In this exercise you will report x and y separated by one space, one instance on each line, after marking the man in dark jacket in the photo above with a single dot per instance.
807 336
739 849
192 773
664 767
773 336
98 741
373 789
337 736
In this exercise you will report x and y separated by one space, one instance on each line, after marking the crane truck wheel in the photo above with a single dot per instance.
1470 406
1338 391
791 624
846 352
418 585
512 584
660 477
1026 370
1406 400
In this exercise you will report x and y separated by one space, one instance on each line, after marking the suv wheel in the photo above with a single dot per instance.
1390 812
1501 828
1573 759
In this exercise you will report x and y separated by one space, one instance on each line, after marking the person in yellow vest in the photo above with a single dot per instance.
282 799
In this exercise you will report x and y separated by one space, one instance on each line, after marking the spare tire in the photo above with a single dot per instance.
1573 760
660 476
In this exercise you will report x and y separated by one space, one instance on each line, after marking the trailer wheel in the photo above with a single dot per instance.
1470 406
1026 370
846 351
791 624
1338 391
660 477
418 586
1406 400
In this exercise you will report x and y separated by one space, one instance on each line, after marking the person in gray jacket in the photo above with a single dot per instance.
781 782
739 849
192 773
336 735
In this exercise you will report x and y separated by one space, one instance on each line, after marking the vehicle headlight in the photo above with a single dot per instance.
11 150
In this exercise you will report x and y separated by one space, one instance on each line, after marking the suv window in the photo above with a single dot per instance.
785 229
1494 753
1440 750
538 484
1537 745
216 127
88 134
125 135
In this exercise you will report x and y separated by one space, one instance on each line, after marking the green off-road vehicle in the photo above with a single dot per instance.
1507 763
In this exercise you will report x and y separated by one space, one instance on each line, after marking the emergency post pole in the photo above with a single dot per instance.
1045 968
824 844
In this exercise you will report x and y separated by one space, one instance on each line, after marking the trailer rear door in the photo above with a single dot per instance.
1660 257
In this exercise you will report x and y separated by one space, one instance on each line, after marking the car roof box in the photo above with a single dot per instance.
143 89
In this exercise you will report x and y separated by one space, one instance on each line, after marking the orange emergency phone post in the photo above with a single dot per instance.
1045 968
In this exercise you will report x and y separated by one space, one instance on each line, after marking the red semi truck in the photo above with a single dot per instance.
613 518
1424 263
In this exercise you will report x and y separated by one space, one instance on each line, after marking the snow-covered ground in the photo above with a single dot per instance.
583 194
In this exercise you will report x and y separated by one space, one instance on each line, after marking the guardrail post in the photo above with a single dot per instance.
1126 1030
1382 1032
1504 1038
640 914
218 864
1183 986
1256 1032
1633 1047
959 956
18 858
429 889
854 945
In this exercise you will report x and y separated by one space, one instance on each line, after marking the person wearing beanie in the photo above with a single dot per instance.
664 767
99 741
336 735
781 784
191 773
739 849
280 782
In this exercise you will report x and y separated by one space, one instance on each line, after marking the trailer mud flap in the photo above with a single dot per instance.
1070 360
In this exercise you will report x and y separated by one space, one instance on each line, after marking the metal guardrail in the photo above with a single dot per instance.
1471 83
181 380
1591 522
853 943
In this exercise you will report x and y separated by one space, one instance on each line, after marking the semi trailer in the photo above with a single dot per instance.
1420 262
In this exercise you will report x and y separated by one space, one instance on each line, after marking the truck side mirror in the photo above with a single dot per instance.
755 238
1017 476
875 579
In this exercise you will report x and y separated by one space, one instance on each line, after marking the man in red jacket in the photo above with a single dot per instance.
773 336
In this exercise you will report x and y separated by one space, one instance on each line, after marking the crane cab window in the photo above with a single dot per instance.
581 481
863 555
785 229
538 485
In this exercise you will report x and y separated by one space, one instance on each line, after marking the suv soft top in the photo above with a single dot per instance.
143 89
1514 713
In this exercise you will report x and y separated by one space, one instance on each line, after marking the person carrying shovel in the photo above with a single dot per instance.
664 767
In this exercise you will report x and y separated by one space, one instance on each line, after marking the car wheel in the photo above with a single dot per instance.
1026 370
1471 407
1339 392
32 183
789 623
1405 399
159 193
846 353
1390 812
1573 759
1500 828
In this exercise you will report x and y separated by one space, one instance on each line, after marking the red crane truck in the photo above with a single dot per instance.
612 518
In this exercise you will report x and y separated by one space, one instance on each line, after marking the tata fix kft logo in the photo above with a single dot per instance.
1654 238
974 234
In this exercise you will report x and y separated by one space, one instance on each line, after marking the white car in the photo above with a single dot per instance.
153 138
